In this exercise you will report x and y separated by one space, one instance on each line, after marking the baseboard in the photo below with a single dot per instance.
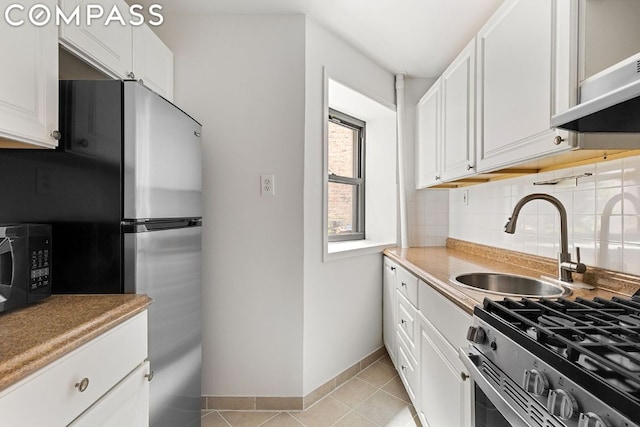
288 403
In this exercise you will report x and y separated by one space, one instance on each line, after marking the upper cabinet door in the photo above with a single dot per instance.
526 72
152 61
428 130
458 119
29 82
107 47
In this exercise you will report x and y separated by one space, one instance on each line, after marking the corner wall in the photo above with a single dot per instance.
342 297
242 76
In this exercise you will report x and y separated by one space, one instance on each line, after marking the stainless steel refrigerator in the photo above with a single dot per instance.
123 195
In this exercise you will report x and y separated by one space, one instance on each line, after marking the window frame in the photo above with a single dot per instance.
358 229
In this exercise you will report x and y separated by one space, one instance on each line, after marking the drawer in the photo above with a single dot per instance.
406 321
449 319
407 284
103 361
407 369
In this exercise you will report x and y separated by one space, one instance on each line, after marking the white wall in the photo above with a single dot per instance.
278 321
603 214
342 298
242 76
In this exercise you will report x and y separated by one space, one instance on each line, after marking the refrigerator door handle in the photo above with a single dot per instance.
158 225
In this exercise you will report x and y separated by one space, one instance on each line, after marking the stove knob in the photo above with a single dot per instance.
535 382
561 404
592 420
476 334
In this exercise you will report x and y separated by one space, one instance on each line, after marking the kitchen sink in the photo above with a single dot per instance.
509 284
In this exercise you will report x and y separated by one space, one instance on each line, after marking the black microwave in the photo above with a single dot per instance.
25 264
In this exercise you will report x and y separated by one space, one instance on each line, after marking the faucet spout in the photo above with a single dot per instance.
565 266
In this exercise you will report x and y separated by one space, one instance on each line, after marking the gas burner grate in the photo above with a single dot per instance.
600 336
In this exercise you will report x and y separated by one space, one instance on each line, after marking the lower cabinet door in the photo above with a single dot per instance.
127 404
445 391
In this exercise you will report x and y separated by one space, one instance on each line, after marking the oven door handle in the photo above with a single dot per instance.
505 408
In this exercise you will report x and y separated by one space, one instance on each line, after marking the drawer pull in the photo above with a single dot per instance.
403 322
82 385
149 376
404 284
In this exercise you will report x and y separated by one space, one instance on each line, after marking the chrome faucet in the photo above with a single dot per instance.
565 265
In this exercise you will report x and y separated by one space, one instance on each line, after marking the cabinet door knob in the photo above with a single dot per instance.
131 75
149 376
56 135
437 178
82 385
469 167
558 140
464 376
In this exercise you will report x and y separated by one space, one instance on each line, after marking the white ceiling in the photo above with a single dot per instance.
417 37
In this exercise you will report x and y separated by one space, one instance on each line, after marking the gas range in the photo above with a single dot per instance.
559 363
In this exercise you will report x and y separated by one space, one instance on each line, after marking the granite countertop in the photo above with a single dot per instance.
435 265
36 335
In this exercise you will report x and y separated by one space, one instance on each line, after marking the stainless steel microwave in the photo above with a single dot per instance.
25 264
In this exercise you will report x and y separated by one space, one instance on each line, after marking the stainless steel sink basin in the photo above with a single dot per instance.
509 284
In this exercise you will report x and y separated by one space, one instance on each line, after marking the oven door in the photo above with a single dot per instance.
491 409
486 414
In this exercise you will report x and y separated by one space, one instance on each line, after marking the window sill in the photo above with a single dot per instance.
340 250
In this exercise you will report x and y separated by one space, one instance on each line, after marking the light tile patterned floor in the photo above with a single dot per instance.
373 398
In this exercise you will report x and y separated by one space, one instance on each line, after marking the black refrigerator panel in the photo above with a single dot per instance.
76 188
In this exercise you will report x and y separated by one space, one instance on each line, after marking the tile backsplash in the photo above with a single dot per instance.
428 218
603 214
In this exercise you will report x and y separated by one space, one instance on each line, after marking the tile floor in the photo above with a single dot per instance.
375 397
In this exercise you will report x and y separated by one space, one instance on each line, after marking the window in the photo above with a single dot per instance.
346 177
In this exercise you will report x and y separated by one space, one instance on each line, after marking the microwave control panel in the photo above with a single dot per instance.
40 262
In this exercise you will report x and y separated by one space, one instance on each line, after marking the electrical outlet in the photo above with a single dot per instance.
465 197
267 185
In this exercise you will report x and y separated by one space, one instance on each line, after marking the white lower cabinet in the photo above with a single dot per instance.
127 404
104 376
445 391
428 330
408 370
389 307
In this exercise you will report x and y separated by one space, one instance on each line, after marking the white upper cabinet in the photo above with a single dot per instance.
152 61
428 129
445 147
458 120
120 51
29 83
106 47
526 72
